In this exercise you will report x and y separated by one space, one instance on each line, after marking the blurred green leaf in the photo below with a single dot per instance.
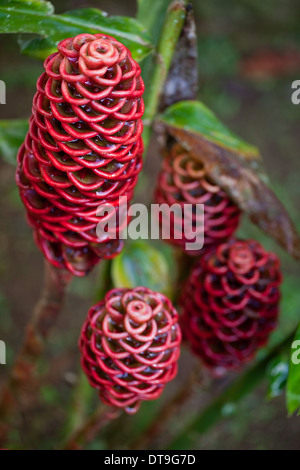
22 16
218 58
293 384
38 6
277 375
140 264
231 395
50 395
169 254
12 134
37 48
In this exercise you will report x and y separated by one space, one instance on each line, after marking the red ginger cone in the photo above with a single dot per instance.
83 148
184 180
130 345
230 304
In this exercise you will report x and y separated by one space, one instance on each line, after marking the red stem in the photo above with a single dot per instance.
18 393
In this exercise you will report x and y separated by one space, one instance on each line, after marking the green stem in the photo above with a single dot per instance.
79 404
89 430
233 394
171 407
170 33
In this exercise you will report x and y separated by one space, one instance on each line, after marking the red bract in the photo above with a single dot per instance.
184 180
230 304
130 346
83 148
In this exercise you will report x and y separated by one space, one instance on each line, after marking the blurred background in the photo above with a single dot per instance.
249 55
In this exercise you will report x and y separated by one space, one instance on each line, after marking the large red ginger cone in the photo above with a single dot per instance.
130 346
83 148
183 180
230 303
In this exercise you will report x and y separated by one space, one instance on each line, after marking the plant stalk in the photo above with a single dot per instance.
89 430
170 34
241 387
19 392
171 407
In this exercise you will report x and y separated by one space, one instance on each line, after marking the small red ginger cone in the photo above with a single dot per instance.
83 148
230 303
184 180
130 345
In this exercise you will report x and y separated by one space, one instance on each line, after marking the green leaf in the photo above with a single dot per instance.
277 375
234 165
38 48
293 384
195 117
20 16
39 6
140 264
12 135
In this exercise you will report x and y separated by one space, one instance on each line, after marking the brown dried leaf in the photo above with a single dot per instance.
182 81
235 170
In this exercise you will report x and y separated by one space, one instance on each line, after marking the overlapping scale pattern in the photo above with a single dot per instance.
83 148
231 303
183 180
130 345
